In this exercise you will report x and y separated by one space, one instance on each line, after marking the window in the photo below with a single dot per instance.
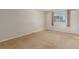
61 17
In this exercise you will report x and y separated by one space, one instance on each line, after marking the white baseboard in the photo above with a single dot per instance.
20 35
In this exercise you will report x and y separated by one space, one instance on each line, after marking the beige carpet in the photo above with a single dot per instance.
43 40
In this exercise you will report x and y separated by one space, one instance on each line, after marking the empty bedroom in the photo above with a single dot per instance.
39 28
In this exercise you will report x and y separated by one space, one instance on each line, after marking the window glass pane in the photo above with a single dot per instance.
60 16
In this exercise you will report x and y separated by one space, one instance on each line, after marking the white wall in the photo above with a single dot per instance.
15 23
74 28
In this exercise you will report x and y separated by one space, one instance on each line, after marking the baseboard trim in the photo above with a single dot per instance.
19 36
73 33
